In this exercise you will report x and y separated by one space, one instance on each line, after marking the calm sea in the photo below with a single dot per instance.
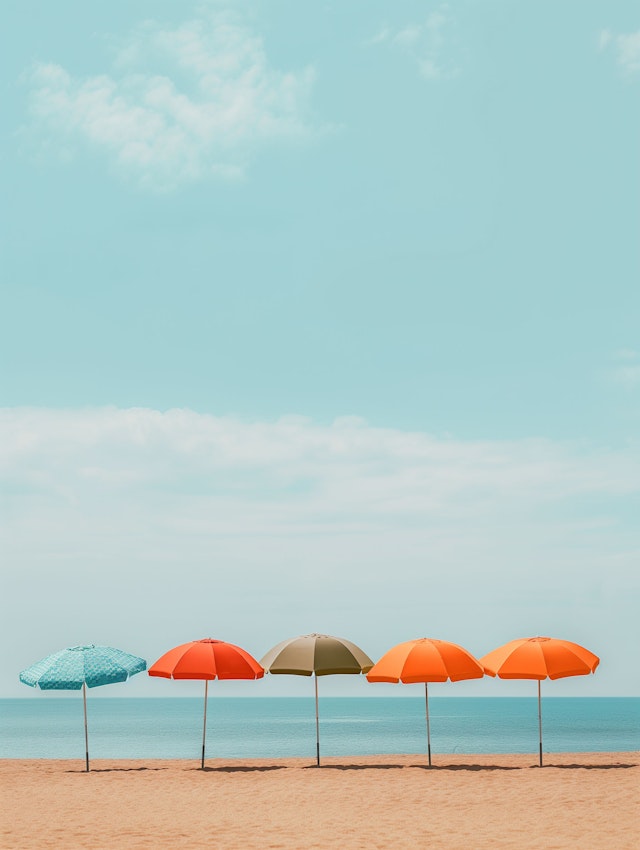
46 727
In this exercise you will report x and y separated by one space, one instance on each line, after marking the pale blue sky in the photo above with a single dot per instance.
422 215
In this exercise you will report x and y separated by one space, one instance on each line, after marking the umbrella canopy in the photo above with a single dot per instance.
207 659
539 658
319 655
316 655
426 660
70 669
82 667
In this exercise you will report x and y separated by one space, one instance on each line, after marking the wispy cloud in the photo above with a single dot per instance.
625 370
178 105
152 527
428 43
288 475
626 47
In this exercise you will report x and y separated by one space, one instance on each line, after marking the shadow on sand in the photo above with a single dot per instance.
114 769
472 767
354 766
433 767
617 766
241 768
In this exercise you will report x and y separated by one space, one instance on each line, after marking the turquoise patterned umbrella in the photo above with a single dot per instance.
82 667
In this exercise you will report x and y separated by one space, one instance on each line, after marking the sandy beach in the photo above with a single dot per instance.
473 802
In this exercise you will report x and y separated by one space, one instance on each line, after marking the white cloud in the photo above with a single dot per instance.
626 372
626 46
628 376
626 354
144 528
380 37
604 39
629 51
179 105
427 43
349 471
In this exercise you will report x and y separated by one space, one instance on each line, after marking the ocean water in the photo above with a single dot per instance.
272 727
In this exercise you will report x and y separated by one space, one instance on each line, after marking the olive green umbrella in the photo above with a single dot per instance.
316 655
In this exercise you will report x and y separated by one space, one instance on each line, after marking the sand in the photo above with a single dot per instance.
584 800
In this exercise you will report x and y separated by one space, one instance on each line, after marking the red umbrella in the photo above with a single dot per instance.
207 659
539 658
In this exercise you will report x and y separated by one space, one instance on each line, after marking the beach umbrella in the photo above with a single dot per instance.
82 667
539 658
316 655
207 659
426 660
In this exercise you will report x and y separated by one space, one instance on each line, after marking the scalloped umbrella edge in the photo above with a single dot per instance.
197 660
526 658
80 667
316 655
426 660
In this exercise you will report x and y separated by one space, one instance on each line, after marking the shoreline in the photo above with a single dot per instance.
463 801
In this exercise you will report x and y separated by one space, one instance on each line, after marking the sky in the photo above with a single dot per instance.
320 317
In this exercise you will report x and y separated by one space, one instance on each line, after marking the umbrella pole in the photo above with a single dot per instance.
204 725
317 726
426 699
86 729
540 722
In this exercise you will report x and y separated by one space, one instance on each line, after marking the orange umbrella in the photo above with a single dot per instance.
207 659
539 658
426 660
